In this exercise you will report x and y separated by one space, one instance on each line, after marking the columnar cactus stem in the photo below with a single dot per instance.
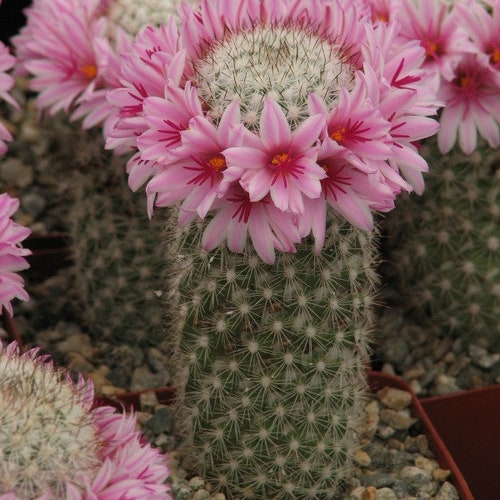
272 361
118 266
444 248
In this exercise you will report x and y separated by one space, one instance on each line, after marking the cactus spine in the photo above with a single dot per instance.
444 248
118 268
272 361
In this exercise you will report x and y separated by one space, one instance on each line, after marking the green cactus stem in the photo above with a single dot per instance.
270 364
443 249
119 270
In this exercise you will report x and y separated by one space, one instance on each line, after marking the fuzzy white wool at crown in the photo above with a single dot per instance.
285 64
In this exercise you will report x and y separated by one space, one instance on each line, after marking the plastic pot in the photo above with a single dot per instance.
468 422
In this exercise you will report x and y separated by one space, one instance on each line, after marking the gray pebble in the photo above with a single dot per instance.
13 171
378 480
385 494
143 379
161 421
196 482
447 492
33 204
396 350
396 420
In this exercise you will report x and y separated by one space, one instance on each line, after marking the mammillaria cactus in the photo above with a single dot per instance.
443 249
71 65
118 266
276 127
55 443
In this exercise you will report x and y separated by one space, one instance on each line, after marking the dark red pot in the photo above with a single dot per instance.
468 422
443 455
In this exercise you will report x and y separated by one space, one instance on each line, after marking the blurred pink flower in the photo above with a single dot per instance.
66 50
11 254
436 26
7 61
344 82
381 11
472 100
82 451
483 26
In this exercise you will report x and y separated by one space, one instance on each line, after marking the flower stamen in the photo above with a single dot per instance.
89 70
495 55
338 135
218 163
284 166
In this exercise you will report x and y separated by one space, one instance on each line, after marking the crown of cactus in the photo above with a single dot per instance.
443 254
276 127
55 443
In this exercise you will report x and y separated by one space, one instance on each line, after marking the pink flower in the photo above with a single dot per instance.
82 451
11 254
7 61
381 11
472 100
70 60
435 25
482 25
152 61
342 85
406 102
195 172
283 163
237 218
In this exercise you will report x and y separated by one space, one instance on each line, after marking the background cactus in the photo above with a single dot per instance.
55 442
271 358
118 260
443 249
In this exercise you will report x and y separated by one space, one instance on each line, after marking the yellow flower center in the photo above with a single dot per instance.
431 48
89 70
218 163
495 55
464 81
280 159
338 135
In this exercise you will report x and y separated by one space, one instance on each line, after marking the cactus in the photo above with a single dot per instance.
118 263
272 361
443 249
269 132
55 443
